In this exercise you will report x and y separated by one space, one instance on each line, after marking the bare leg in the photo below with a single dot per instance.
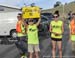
36 54
53 48
31 55
59 43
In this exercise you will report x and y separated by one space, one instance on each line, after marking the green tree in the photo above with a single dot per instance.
58 3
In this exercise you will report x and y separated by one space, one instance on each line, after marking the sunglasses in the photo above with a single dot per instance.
30 21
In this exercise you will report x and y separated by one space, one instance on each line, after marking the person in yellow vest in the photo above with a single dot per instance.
33 39
21 36
72 32
56 30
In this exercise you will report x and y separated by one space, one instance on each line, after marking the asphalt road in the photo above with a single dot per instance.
9 50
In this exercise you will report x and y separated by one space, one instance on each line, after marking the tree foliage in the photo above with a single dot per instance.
58 3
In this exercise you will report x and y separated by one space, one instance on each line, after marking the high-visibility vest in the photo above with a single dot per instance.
18 27
32 33
56 28
72 24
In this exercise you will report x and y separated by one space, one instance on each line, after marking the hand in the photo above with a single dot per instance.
23 33
56 33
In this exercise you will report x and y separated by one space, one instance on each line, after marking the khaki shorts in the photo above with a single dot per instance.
33 47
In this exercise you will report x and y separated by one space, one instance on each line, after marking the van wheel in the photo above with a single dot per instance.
13 34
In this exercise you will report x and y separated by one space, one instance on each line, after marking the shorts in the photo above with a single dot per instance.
33 48
57 39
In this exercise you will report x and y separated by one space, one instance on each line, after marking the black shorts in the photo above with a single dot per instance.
57 39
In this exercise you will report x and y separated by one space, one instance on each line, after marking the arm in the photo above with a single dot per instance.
69 33
26 25
23 28
50 28
24 21
38 22
63 28
70 30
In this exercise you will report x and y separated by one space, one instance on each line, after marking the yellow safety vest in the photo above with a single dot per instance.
56 28
32 33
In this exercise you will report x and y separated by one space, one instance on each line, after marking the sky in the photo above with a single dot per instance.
45 4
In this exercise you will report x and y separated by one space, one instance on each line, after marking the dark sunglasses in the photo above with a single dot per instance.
30 21
55 16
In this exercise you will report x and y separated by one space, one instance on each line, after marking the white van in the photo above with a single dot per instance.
8 20
8 23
